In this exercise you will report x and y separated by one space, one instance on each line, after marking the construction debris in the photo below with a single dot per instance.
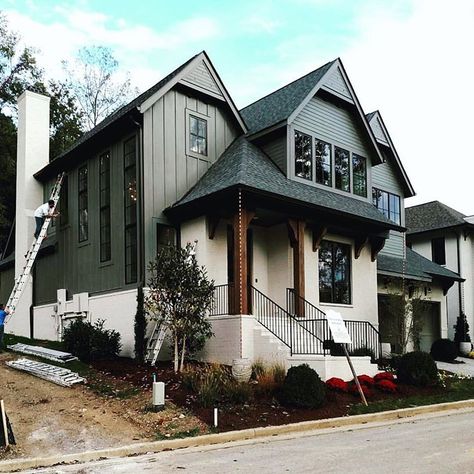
43 352
52 373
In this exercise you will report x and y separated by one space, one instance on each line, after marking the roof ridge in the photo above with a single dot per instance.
288 84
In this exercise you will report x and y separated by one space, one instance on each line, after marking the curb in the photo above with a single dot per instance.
248 434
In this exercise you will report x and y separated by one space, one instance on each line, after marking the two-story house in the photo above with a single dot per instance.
277 197
446 237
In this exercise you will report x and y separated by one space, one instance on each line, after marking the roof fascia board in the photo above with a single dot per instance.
267 130
408 184
202 90
338 63
405 275
337 94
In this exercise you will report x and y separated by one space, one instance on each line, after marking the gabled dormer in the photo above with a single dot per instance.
315 130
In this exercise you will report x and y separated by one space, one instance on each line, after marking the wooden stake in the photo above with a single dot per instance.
4 423
356 380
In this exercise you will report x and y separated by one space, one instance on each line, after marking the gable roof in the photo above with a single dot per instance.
432 215
415 266
245 165
383 138
280 104
146 98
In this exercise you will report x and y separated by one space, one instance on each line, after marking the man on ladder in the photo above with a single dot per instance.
45 210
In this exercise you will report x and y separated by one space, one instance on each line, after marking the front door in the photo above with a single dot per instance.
431 326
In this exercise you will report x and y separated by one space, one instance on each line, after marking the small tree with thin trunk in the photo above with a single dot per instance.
180 294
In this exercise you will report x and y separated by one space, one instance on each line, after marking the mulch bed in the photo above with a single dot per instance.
262 411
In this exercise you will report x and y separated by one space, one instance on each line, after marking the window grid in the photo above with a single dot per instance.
359 175
104 202
198 135
323 157
130 210
341 169
83 204
388 204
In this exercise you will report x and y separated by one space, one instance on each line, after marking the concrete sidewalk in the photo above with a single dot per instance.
466 369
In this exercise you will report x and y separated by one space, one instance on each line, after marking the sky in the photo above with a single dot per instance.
410 59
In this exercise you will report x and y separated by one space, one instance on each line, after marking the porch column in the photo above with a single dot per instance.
296 233
241 222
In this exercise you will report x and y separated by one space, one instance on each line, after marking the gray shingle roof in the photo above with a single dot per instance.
243 164
417 267
431 216
279 105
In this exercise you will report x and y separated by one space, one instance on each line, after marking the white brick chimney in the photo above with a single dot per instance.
32 155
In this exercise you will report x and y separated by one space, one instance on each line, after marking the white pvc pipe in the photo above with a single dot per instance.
215 417
4 423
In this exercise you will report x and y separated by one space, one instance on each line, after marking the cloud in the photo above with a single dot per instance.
260 24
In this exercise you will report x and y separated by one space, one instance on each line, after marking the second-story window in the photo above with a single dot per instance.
130 204
388 204
83 204
341 169
438 251
104 202
303 156
323 163
197 135
359 175
64 202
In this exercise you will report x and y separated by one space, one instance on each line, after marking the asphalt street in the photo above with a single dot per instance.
426 444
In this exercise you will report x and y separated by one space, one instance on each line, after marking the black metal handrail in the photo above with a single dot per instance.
306 309
224 298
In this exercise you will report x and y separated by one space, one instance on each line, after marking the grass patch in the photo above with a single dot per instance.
456 389
11 339
178 434
107 390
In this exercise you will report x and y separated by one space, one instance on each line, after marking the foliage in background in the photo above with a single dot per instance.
461 329
302 388
180 295
139 327
417 368
444 350
91 341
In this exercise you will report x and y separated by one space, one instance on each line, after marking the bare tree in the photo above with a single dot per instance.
94 79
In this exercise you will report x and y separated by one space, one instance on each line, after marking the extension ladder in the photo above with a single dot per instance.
156 342
20 283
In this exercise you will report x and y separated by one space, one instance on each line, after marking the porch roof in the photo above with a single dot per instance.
246 166
417 267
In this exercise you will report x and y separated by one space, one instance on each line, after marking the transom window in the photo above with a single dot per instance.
334 272
197 135
388 204
333 166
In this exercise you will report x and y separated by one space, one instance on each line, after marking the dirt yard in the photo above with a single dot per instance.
48 419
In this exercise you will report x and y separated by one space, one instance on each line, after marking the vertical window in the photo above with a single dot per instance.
438 251
166 237
104 202
198 135
83 205
323 163
334 273
341 169
64 202
359 175
303 156
130 207
388 204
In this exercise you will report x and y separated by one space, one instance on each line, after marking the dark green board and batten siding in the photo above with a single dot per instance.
76 265
169 169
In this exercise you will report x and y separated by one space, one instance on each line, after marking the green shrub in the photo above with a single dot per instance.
302 388
91 341
417 368
444 350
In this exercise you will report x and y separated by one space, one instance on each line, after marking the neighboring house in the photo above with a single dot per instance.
446 237
278 198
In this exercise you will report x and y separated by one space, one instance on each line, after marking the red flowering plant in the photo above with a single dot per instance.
386 386
337 384
384 376
365 380
365 389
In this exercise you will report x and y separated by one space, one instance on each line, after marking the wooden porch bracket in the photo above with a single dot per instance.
377 244
359 244
296 230
318 235
212 223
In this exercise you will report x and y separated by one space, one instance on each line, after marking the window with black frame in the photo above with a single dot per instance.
130 207
303 155
166 237
64 202
334 273
83 204
341 169
104 202
359 175
388 204
323 159
198 135
438 250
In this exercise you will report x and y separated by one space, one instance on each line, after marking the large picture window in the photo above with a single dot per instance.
341 169
334 273
83 204
323 163
359 175
104 201
130 207
303 156
198 135
388 204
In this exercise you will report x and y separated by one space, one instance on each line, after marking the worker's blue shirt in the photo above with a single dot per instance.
3 315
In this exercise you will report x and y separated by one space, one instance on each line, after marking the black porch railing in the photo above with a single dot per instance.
224 300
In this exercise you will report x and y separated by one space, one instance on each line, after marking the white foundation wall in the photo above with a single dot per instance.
117 309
